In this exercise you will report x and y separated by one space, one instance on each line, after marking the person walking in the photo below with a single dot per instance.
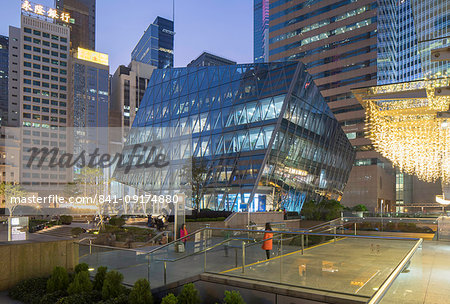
183 233
267 244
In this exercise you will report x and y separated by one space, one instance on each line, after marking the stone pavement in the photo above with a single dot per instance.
428 279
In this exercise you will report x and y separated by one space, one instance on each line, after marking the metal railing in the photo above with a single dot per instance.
248 239
378 296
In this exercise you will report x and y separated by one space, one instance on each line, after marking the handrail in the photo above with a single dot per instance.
204 250
320 234
143 251
376 298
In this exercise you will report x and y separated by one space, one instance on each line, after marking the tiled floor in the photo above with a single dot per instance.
428 279
351 266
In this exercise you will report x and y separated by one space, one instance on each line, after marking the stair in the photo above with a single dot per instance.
57 231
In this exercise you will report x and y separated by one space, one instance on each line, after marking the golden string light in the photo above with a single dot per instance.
407 130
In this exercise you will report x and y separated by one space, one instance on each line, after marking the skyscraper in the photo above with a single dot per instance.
39 91
128 86
4 67
90 72
261 31
82 26
337 41
156 45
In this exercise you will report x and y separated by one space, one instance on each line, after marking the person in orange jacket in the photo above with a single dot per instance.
267 244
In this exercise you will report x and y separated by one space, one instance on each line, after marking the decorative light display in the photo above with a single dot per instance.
406 129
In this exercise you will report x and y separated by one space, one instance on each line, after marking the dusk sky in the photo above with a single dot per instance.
222 27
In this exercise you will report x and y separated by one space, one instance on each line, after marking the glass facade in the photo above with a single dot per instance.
4 53
407 32
260 31
156 45
91 103
266 134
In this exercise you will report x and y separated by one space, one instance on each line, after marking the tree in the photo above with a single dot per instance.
11 190
81 283
59 280
360 207
233 297
189 295
195 175
100 278
141 293
325 210
112 286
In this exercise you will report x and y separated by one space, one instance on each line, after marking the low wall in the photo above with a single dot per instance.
241 219
24 260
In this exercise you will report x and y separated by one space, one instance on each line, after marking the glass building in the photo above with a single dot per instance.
264 131
90 101
4 53
156 45
260 31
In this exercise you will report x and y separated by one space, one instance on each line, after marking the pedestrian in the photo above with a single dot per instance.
267 244
183 233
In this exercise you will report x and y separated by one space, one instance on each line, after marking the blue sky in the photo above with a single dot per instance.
222 27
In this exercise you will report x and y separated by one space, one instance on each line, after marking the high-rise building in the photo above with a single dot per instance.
90 74
82 25
4 71
128 86
263 131
408 30
90 88
261 31
39 91
337 41
208 59
156 45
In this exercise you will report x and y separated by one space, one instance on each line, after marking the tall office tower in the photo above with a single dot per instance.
39 90
82 26
338 43
14 73
207 59
4 70
431 22
260 31
156 45
128 86
90 74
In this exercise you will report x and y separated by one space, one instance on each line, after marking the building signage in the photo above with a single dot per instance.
40 10
92 56
17 228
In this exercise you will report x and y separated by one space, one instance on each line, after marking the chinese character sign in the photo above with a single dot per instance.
40 10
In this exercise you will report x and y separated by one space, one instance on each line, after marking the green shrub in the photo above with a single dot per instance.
141 293
59 280
66 219
81 283
233 297
189 295
79 298
170 299
117 221
52 298
77 231
121 299
29 291
112 286
81 267
100 278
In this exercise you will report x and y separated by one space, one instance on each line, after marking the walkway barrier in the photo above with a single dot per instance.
353 265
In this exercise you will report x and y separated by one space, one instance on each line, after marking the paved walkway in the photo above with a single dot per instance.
428 279
5 299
